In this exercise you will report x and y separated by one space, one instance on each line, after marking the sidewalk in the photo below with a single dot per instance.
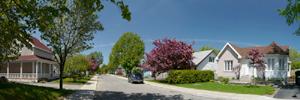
205 93
86 92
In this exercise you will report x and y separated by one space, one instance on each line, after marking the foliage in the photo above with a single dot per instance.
189 76
291 12
72 32
232 88
76 65
20 18
296 65
206 47
295 58
17 91
96 59
3 79
256 60
136 70
103 69
169 54
223 80
127 52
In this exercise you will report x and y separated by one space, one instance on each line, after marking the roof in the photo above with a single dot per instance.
273 48
32 58
38 44
200 56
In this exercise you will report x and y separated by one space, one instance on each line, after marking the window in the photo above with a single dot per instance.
211 59
228 65
281 64
271 63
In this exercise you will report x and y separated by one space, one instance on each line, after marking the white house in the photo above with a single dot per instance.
276 59
32 65
204 60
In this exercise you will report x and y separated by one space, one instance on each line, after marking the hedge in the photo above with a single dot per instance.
189 76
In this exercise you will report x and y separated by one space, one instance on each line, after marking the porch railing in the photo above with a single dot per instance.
25 75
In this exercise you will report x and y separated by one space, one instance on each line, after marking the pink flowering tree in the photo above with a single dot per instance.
257 62
169 54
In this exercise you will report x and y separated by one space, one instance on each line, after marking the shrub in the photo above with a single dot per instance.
189 76
3 79
295 65
223 80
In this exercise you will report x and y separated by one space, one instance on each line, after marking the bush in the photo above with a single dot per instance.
3 79
223 80
295 65
189 76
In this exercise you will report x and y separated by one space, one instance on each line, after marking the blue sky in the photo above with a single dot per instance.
206 22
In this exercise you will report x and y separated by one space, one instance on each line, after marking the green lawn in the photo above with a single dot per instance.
16 91
232 88
79 81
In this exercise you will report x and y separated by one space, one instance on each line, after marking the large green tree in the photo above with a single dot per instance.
127 52
73 31
292 13
19 19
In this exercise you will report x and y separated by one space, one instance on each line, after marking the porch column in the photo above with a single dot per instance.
7 70
50 72
36 70
32 69
21 70
41 68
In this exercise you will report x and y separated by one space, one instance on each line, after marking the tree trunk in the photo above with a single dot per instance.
61 68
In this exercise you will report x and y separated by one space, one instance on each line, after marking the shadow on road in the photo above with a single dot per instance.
112 95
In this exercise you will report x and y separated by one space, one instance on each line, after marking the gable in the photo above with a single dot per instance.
228 47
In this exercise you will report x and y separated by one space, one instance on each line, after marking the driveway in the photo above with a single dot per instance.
113 88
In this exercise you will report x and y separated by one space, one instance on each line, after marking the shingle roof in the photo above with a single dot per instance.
273 48
37 43
200 56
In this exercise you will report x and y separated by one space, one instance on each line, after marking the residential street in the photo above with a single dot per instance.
113 88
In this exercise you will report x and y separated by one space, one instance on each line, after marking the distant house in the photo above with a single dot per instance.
276 61
34 64
204 60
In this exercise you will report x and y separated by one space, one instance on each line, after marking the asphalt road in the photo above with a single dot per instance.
113 88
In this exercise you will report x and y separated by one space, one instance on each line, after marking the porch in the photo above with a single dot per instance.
30 71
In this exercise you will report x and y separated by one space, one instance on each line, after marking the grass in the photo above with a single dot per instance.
231 88
82 80
17 91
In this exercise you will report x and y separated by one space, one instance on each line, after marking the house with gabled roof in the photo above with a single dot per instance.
204 60
276 59
33 64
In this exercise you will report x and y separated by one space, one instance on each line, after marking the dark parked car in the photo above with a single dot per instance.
135 78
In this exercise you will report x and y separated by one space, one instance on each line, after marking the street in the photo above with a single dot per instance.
113 88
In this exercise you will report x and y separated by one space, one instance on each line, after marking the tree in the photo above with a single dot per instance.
127 52
206 47
73 31
169 54
294 58
291 12
96 59
76 65
18 20
257 62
